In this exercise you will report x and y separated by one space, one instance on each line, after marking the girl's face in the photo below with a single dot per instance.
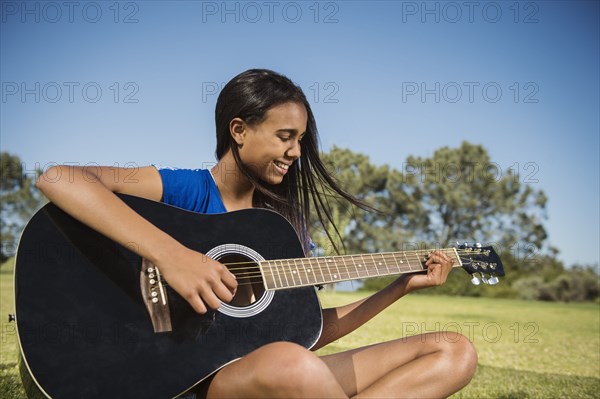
268 149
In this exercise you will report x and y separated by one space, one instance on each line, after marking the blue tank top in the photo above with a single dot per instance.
194 190
191 189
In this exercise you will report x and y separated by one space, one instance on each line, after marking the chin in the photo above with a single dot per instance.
272 179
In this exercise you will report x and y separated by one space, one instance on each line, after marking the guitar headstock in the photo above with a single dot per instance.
483 263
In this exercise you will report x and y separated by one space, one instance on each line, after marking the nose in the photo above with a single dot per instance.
294 151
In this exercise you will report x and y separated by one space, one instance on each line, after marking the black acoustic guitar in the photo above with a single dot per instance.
94 320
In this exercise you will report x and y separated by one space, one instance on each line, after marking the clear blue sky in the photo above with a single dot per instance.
134 83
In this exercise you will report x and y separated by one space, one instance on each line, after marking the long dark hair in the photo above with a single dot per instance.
249 96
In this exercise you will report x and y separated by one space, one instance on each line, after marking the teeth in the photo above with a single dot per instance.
281 165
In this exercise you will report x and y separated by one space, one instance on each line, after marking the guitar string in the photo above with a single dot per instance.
460 252
316 259
254 272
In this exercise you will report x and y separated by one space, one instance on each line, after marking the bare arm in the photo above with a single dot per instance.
342 320
88 194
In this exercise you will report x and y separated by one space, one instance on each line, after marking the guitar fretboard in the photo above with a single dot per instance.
299 272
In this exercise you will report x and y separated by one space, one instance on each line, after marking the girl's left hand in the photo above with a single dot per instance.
438 266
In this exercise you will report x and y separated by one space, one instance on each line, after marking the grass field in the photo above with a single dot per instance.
526 349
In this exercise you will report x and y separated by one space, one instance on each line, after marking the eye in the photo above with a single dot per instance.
284 138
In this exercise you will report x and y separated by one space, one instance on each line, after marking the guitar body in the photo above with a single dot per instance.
83 325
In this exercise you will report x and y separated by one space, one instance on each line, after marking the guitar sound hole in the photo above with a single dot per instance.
250 284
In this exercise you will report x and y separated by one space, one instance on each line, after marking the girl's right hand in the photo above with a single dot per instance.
203 282
88 194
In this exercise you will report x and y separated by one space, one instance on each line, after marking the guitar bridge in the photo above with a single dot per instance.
155 297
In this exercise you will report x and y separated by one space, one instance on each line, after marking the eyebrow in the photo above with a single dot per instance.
293 132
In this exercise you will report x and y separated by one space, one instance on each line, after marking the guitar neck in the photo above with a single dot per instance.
299 272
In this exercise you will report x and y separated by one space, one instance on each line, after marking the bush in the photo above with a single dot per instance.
575 285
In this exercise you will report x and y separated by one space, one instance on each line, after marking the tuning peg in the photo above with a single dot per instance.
478 245
484 279
475 280
493 280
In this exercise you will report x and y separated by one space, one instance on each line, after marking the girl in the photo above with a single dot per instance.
268 157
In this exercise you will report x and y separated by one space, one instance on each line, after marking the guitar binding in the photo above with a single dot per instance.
251 297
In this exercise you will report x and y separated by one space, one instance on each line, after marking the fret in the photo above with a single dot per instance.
324 270
274 265
357 268
372 265
308 271
396 261
269 282
416 259
364 265
360 267
419 262
287 282
316 265
355 271
331 273
338 275
383 262
375 267
392 263
410 266
348 276
286 273
323 279
456 257
294 273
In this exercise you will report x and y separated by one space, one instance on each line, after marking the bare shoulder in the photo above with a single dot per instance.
139 181
144 181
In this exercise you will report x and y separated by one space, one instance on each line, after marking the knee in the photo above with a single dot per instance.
291 368
461 355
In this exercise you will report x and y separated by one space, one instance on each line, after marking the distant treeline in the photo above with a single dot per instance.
457 194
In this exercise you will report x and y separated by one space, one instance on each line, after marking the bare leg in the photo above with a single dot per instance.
423 366
277 370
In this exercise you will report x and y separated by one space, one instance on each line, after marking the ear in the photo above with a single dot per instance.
238 130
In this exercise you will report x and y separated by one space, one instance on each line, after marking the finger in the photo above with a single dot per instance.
197 304
441 258
230 281
434 259
441 255
209 297
436 276
434 270
223 292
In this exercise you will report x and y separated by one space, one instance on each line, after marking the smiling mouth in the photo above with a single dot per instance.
281 165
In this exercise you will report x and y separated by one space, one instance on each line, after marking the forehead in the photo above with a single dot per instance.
293 115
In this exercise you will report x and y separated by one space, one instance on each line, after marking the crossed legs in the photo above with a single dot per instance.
423 366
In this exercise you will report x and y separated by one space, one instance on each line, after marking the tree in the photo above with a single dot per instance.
457 193
378 186
468 197
19 199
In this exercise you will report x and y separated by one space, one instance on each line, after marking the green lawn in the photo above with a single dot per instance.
526 349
